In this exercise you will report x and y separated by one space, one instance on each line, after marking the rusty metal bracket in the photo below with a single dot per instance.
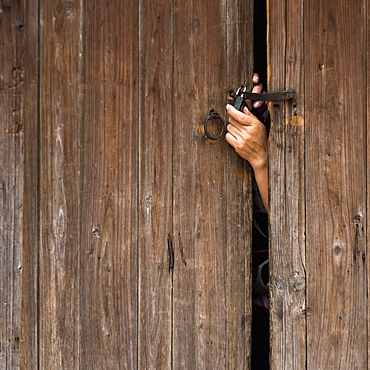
272 96
242 96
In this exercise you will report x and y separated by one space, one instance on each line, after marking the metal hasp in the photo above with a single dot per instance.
242 95
240 101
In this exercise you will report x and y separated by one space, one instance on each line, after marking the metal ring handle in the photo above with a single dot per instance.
214 116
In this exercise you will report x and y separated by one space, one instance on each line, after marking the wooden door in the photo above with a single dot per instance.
192 190
106 174
319 184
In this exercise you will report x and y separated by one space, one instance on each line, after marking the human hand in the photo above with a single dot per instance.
259 107
248 136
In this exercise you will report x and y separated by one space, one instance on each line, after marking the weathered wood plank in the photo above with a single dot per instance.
199 189
367 225
155 205
109 190
335 80
239 28
59 287
29 326
286 173
210 322
18 185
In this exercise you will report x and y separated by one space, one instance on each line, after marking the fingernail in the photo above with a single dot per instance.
257 104
228 106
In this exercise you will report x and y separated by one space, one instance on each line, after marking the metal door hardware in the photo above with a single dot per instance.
242 95
214 116
241 98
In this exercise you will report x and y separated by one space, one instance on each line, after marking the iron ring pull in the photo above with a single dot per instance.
214 116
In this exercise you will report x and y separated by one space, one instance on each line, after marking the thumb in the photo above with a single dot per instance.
248 113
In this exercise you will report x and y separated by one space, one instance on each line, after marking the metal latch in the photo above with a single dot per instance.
241 99
242 95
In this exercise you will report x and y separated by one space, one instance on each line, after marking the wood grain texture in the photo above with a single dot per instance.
287 193
109 161
59 282
18 185
239 67
89 195
155 204
367 115
336 140
210 289
109 186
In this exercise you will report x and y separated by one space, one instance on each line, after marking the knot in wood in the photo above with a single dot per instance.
337 248
357 219
69 7
279 283
299 283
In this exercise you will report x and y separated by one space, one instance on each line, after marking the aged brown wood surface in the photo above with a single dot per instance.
109 162
155 162
211 310
239 59
88 271
367 113
109 186
330 206
18 185
60 221
336 187
287 207
103 157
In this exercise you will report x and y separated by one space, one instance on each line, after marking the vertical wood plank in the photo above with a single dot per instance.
239 59
211 216
109 186
155 206
286 173
29 328
335 79
367 113
59 282
199 188
18 184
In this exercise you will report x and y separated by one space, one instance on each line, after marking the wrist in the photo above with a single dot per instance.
261 164
261 175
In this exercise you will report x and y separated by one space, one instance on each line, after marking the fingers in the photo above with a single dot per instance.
246 118
237 114
258 88
233 129
259 104
256 78
230 139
